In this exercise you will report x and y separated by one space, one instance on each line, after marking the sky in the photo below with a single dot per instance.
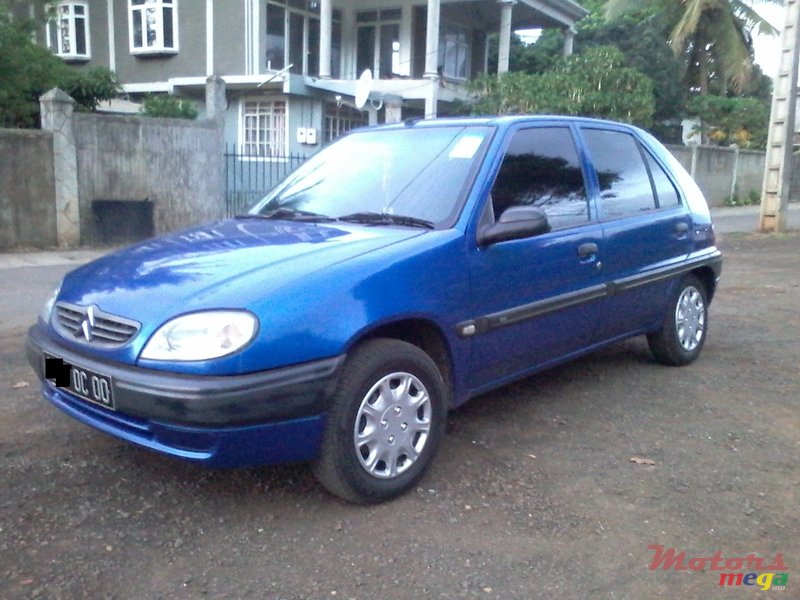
768 48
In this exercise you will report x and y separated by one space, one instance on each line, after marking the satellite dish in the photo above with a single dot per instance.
363 88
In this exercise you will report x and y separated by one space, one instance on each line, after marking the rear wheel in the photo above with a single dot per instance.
385 424
683 332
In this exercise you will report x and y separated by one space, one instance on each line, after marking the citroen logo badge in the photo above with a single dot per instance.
88 324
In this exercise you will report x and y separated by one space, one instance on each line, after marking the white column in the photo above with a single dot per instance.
393 111
505 36
432 41
569 39
209 37
406 35
432 99
432 59
325 37
112 40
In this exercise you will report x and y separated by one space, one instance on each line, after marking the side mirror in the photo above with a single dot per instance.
515 223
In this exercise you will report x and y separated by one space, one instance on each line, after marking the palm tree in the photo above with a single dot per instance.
715 36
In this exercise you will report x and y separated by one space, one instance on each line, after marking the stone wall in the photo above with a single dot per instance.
86 175
176 165
27 189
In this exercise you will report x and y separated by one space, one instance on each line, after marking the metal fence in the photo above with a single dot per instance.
249 178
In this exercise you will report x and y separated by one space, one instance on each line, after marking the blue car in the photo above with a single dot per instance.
399 272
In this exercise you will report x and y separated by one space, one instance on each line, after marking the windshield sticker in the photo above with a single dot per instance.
466 147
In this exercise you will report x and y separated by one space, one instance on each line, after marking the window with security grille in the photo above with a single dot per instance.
68 31
263 128
341 119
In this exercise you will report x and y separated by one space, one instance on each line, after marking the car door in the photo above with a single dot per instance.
536 300
646 229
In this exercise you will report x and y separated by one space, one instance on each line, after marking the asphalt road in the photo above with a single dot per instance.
745 218
534 494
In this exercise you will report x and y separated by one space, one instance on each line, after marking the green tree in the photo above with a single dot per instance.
641 40
594 83
726 121
714 37
28 70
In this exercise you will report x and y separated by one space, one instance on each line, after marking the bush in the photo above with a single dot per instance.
168 106
592 84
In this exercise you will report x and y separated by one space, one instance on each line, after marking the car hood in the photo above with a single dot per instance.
227 264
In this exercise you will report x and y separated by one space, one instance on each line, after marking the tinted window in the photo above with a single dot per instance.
541 168
624 183
666 194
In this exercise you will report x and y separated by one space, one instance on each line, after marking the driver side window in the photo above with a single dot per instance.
541 168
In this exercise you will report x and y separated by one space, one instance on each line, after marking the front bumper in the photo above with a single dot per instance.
260 418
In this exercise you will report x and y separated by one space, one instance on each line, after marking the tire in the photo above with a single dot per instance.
385 424
685 326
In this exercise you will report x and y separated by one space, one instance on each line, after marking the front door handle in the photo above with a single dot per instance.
587 250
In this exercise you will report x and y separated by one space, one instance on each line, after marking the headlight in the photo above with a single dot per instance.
201 336
47 309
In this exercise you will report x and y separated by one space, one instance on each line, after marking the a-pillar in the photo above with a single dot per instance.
325 37
504 50
432 59
56 109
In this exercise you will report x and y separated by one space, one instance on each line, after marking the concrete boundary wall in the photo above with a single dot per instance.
726 172
27 189
85 175
174 164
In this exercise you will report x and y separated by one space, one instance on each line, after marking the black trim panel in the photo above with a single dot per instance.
540 307
278 394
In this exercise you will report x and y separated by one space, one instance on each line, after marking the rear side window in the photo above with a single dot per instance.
541 168
666 194
625 187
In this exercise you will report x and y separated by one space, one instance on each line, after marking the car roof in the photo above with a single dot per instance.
500 121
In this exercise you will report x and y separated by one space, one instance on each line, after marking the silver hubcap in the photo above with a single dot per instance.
392 425
690 318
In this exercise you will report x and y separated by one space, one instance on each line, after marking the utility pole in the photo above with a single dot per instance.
778 167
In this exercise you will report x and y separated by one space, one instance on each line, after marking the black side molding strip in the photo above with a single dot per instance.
540 307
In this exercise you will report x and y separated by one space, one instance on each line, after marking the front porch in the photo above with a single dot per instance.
420 53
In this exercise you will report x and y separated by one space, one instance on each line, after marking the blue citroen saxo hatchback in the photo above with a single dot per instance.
399 272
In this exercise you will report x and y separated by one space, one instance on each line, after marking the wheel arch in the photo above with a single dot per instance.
708 278
425 335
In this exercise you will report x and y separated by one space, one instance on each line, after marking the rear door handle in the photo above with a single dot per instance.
587 250
681 227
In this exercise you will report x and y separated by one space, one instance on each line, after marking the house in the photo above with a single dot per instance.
291 67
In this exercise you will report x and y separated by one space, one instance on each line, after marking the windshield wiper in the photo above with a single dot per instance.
288 214
376 218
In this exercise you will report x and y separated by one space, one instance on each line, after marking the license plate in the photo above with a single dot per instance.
84 383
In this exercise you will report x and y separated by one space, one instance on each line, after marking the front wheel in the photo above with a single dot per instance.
385 423
685 326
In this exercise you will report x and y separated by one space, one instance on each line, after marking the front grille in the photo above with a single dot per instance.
90 325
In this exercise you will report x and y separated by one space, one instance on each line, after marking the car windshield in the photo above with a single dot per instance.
410 177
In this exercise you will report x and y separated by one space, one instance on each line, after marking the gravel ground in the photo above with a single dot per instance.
533 494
